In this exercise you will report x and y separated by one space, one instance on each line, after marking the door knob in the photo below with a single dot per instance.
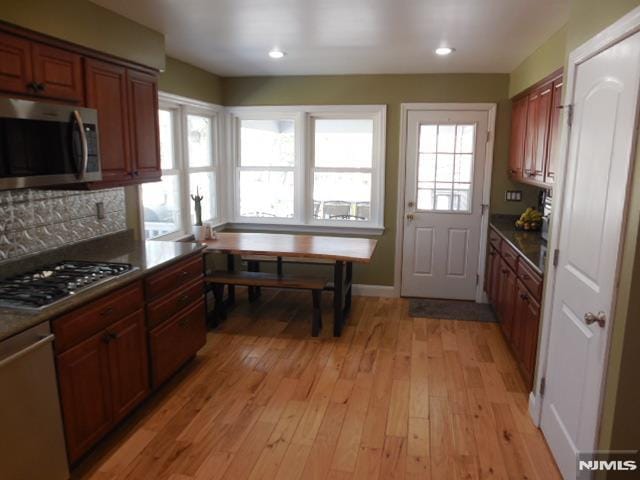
410 216
411 204
600 319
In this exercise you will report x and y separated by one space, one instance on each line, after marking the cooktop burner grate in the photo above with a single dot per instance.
41 288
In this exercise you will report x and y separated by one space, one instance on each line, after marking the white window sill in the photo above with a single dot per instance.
296 228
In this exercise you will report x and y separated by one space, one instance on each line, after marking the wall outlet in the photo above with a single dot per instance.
100 210
513 195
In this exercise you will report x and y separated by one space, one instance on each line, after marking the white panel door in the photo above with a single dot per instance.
445 162
596 175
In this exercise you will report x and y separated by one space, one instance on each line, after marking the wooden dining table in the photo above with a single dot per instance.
342 252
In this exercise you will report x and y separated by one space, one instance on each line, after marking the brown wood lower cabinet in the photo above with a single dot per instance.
514 290
102 378
176 341
102 353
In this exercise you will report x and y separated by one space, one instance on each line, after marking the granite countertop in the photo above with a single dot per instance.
146 256
530 245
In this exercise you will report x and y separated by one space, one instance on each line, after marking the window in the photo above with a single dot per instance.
188 160
320 166
445 167
267 167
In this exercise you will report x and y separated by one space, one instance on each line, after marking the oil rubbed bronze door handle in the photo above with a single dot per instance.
600 318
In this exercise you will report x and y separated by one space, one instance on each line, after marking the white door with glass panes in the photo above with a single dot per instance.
445 162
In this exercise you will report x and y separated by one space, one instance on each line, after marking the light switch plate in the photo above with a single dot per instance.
513 195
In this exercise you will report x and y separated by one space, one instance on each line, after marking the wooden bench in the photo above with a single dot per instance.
268 280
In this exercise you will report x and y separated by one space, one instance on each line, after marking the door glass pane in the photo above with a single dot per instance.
161 207
167 151
343 143
266 193
267 143
203 184
445 167
342 196
199 139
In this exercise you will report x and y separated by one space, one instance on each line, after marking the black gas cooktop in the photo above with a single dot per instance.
40 288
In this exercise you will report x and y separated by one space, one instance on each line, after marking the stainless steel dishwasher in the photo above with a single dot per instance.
31 437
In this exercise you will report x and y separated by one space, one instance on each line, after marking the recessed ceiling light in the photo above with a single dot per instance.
442 51
276 53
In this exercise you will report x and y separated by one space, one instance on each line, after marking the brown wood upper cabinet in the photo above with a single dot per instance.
125 95
107 93
143 114
35 69
535 133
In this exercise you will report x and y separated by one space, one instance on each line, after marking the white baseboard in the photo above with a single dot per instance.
365 290
534 409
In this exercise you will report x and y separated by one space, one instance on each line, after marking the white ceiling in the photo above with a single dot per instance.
232 37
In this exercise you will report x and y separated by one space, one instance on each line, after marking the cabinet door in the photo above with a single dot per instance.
176 341
83 375
530 137
542 121
507 298
128 363
555 129
518 131
529 345
143 114
107 93
493 276
15 64
58 73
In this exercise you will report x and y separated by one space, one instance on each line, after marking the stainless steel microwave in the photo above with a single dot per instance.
46 144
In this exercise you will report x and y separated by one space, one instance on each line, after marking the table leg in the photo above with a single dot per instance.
279 266
231 297
338 298
253 266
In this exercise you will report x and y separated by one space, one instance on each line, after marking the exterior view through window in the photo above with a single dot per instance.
445 167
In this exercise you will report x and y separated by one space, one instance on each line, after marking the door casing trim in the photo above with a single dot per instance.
625 27
405 108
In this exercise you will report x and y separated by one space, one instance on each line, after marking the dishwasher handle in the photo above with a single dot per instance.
12 358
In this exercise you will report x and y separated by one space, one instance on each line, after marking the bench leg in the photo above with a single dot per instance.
338 298
219 307
316 324
254 292
349 283
212 318
232 290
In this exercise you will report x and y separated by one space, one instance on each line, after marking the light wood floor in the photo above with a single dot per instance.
395 397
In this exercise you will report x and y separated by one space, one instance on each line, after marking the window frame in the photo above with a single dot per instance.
304 166
180 108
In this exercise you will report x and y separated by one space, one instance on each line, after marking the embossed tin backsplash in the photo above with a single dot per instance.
33 221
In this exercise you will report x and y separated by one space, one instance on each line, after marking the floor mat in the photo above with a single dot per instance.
451 310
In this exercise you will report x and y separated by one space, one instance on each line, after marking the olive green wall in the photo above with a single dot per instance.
181 78
391 90
87 24
547 58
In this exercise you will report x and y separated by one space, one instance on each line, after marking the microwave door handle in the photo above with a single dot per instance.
83 139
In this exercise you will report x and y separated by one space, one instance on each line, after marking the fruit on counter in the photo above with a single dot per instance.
529 220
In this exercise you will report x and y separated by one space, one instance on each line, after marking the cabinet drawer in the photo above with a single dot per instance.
175 341
83 322
509 255
530 279
494 239
164 308
169 279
